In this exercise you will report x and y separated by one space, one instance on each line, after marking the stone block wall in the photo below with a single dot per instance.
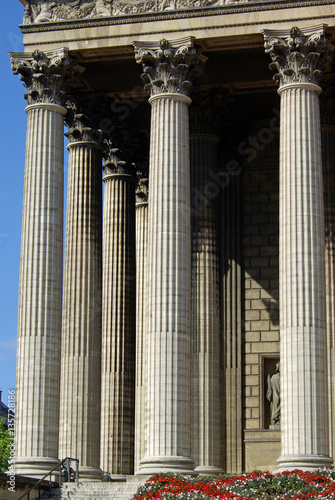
260 264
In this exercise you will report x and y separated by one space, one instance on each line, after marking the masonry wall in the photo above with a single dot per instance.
260 264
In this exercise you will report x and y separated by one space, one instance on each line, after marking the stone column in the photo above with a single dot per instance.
118 322
40 290
328 163
141 317
206 372
304 398
231 313
79 432
167 69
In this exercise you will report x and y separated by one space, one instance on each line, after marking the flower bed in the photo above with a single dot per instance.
295 485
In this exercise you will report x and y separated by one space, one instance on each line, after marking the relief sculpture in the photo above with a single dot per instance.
41 11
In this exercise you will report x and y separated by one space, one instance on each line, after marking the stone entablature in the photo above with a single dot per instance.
217 27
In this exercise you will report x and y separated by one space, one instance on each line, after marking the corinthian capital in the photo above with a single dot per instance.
207 110
141 190
298 55
45 75
85 118
169 67
116 160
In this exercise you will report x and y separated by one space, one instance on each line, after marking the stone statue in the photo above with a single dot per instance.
273 395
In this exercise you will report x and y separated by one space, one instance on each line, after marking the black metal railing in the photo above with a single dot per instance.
64 468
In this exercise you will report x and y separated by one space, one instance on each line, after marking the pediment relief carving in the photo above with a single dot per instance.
41 11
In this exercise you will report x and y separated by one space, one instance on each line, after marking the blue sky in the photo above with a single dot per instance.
12 145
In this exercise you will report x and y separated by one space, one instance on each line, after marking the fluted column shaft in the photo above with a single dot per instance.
40 293
141 321
304 422
206 351
118 325
328 162
231 314
168 68
81 326
298 56
169 288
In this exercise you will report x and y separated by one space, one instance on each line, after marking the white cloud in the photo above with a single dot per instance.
9 344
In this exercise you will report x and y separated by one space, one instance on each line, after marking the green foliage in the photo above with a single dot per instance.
5 441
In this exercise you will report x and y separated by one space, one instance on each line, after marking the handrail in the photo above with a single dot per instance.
66 465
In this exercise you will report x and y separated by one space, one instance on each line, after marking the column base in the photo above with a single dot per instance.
36 467
208 470
163 464
87 473
303 462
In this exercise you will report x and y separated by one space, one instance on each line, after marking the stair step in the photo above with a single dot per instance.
97 491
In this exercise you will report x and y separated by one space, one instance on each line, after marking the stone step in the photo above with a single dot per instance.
98 490
55 494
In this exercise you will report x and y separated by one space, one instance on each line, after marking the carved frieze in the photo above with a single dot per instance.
45 76
169 67
298 56
139 6
41 11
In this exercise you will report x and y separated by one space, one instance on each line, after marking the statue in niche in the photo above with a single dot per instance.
273 396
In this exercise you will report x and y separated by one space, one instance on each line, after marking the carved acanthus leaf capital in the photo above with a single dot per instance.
117 161
142 189
169 67
207 110
46 76
85 118
299 56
